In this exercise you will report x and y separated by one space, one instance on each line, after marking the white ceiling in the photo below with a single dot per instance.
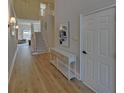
29 9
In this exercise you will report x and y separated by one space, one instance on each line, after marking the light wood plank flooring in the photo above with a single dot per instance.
34 74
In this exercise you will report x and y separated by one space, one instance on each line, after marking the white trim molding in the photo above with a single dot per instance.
12 65
100 9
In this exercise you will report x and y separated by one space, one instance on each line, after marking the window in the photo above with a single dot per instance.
27 34
42 9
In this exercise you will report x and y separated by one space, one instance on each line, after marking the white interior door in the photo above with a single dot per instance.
98 50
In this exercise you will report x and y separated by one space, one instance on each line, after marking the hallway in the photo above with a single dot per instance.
34 74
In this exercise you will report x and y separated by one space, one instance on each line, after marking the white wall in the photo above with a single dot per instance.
11 49
47 29
70 10
11 41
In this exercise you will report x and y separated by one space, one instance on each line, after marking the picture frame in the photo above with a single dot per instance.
64 34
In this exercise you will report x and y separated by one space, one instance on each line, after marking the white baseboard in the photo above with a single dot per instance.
41 52
12 65
89 86
78 76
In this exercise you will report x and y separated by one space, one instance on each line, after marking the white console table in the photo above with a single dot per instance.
64 61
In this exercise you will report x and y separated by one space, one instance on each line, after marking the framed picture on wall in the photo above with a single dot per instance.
64 34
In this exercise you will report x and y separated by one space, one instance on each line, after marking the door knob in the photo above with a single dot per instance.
84 52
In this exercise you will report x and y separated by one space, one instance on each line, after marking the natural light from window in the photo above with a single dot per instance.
27 34
42 8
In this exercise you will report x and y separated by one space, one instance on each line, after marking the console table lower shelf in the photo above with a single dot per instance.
65 64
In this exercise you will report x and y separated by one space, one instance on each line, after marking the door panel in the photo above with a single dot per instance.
98 40
103 43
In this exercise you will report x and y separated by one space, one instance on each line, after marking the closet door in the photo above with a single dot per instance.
98 50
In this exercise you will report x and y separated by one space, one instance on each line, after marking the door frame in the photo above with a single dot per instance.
81 37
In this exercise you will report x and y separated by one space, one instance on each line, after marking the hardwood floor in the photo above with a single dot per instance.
34 74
